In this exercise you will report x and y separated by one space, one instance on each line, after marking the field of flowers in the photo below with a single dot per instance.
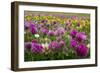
56 36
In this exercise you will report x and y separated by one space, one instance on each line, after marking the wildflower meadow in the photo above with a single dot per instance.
56 36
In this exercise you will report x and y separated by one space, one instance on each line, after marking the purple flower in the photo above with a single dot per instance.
36 48
43 21
60 31
27 45
51 33
58 39
26 24
54 45
81 36
34 41
73 33
73 43
33 29
82 50
61 43
44 31
40 26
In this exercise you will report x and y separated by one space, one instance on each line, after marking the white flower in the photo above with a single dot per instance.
88 45
45 45
37 35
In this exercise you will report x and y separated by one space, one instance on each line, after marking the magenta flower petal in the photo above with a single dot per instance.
82 50
60 31
33 29
73 33
73 43
26 24
43 21
61 43
34 41
51 33
44 31
58 39
36 48
27 45
81 36
54 45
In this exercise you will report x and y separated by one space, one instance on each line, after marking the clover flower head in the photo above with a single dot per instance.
73 43
51 33
44 31
27 45
33 29
82 50
73 33
81 36
37 48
